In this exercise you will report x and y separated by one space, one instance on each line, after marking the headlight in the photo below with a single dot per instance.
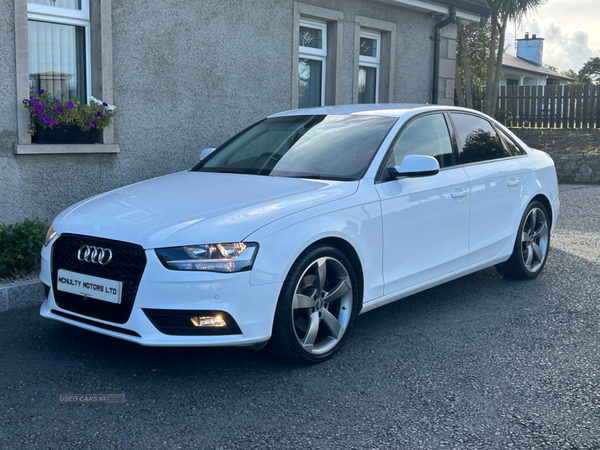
233 257
49 236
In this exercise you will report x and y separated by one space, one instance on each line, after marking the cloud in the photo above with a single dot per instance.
565 47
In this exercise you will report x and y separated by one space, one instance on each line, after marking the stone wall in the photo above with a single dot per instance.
577 168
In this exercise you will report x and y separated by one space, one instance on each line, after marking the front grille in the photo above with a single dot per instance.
127 265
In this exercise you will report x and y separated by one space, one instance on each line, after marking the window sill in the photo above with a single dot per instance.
37 149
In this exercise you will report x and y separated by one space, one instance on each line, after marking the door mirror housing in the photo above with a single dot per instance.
207 151
414 166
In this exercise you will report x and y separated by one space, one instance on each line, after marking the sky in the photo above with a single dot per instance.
570 28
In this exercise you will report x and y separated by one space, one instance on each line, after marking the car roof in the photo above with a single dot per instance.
378 109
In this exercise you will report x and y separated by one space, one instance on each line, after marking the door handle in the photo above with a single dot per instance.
513 182
459 193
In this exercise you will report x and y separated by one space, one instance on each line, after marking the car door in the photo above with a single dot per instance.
496 183
425 219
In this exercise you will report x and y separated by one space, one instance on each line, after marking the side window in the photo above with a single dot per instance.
427 136
312 63
368 72
477 139
317 38
514 149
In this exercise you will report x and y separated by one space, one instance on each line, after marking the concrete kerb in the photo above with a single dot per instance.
20 294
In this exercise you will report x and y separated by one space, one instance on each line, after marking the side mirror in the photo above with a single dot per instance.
415 166
207 151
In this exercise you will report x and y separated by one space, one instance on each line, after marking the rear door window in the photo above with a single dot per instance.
477 140
514 149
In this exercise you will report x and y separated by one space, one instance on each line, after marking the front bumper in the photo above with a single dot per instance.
251 307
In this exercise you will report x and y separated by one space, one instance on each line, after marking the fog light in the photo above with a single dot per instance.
208 322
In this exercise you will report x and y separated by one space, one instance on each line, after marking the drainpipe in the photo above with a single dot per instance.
437 38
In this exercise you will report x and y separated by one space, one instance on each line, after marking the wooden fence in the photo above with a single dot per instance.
553 106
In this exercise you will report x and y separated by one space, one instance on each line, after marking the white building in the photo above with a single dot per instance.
526 68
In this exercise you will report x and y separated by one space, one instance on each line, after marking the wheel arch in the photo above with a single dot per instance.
346 248
544 201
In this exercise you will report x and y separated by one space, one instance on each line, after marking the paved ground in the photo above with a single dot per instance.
482 362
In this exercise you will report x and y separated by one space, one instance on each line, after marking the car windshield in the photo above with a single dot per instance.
328 147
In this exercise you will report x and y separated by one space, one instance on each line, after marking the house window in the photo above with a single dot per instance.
67 46
59 47
317 49
368 70
374 61
312 63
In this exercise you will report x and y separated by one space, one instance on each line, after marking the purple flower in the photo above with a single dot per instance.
33 115
70 104
51 121
41 91
99 114
38 108
104 104
92 125
60 106
45 119
55 100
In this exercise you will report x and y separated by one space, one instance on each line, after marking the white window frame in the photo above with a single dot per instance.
68 16
387 56
96 17
315 54
370 61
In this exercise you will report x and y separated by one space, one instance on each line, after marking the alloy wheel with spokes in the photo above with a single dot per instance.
322 305
534 240
531 248
316 306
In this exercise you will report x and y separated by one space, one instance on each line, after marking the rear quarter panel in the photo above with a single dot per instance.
540 178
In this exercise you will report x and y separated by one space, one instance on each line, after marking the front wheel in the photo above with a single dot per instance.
530 252
316 307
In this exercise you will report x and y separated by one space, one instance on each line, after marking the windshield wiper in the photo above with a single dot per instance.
316 176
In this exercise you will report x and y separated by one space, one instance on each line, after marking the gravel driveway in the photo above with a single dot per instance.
480 362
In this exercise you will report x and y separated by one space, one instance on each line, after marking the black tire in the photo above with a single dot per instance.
532 245
303 305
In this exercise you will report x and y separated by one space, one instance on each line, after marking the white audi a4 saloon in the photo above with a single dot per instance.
281 236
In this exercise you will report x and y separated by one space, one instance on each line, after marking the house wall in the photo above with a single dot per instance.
447 65
187 75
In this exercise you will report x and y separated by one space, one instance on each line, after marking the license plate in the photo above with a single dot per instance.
89 286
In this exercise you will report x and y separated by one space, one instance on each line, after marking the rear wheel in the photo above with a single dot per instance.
316 307
530 252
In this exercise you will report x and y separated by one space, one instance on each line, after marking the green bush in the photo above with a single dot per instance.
20 246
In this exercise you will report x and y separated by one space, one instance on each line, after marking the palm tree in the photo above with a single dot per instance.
501 12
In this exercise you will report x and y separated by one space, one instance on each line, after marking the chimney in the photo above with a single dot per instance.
531 49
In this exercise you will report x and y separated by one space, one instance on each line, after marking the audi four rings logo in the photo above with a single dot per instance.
96 255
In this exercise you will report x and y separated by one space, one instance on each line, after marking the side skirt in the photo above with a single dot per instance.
386 299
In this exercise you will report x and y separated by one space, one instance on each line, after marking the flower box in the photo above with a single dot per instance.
64 121
65 134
